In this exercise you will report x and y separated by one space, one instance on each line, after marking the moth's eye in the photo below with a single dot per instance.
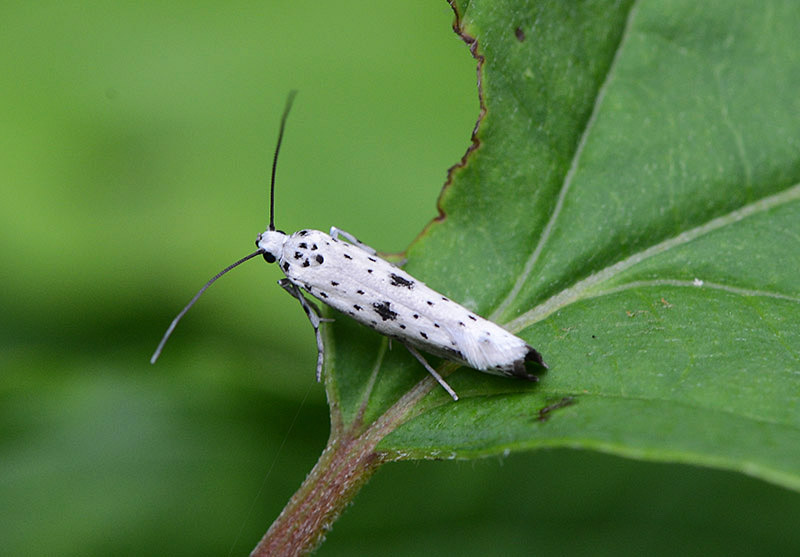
269 258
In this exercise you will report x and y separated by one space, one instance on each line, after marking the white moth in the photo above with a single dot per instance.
350 277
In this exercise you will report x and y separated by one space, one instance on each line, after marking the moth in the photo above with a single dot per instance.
348 275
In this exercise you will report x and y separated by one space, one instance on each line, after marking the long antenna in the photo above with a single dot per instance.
286 110
175 321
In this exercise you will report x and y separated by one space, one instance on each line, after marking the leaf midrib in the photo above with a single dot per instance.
568 177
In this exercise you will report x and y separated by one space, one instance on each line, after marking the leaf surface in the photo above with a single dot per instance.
631 208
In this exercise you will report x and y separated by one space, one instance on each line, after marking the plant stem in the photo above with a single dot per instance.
343 467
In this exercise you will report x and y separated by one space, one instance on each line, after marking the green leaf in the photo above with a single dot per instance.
631 208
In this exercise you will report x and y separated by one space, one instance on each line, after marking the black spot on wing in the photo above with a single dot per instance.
298 255
334 283
472 317
306 263
322 294
385 311
320 259
303 245
357 307
423 335
302 233
313 246
346 256
285 266
360 292
372 259
397 280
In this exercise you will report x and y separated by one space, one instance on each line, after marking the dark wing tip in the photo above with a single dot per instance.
534 356
520 371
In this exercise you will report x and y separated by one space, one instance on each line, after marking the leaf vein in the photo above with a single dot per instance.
749 292
578 290
568 178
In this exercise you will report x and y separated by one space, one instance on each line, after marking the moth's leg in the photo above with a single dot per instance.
312 311
336 232
432 371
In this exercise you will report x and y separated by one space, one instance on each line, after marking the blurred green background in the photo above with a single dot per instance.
136 140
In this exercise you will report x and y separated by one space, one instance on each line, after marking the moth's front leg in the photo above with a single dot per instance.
313 314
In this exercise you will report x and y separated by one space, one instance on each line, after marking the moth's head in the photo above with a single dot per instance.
271 243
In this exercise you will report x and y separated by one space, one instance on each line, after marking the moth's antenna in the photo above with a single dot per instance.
286 110
174 323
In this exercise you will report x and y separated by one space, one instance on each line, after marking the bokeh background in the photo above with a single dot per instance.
135 145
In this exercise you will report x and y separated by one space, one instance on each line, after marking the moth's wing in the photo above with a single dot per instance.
488 347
